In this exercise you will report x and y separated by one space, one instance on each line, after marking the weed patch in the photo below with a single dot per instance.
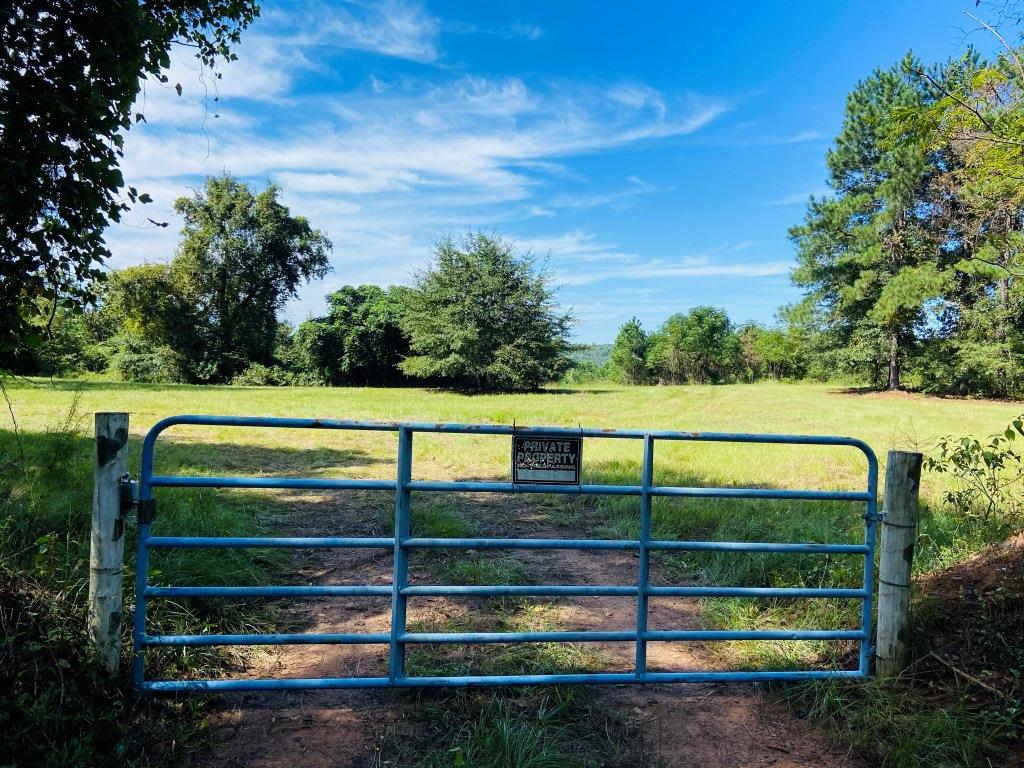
550 727
60 710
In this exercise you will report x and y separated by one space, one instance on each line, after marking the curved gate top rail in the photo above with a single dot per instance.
398 638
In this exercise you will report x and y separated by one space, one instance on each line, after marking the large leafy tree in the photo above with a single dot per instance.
359 341
485 318
629 353
69 73
867 255
774 353
243 255
977 118
700 346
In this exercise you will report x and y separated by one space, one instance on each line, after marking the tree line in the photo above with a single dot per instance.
910 269
910 265
703 346
480 317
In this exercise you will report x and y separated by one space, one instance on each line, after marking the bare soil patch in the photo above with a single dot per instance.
973 621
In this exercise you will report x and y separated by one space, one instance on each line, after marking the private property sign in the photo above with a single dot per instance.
546 460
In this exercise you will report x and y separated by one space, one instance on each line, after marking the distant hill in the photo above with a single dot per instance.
595 354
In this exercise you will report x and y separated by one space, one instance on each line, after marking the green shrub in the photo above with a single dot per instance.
259 375
56 708
140 360
987 476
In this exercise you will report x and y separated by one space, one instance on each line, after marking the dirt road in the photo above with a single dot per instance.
681 725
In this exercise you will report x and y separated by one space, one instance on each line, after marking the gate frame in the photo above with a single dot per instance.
399 590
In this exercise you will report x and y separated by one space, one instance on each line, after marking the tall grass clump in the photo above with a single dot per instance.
58 708
548 727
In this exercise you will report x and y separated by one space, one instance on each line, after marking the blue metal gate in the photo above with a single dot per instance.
402 543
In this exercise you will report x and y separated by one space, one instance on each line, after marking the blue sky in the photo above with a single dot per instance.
654 153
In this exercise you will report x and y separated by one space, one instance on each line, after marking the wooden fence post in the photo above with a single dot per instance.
899 531
106 556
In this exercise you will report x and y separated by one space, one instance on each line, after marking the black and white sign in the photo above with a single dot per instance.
546 459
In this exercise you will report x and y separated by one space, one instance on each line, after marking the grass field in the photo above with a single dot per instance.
898 421
45 519
883 421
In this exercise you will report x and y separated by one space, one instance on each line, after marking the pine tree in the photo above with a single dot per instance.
867 256
629 353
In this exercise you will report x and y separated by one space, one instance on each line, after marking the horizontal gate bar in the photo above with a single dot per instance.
168 686
303 591
300 638
539 590
466 486
499 590
760 546
636 490
755 592
725 546
435 543
630 636
311 638
502 429
586 636
761 493
207 542
311 483
231 542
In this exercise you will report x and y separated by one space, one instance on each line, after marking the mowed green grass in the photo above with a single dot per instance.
898 421
883 421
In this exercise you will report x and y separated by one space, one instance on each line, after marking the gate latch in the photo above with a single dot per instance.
129 494
878 516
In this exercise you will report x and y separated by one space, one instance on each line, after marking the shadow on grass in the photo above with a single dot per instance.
93 385
554 390
242 458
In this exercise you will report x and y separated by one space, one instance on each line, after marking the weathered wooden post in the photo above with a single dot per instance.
106 556
899 531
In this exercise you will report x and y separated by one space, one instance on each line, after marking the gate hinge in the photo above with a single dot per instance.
145 508
876 517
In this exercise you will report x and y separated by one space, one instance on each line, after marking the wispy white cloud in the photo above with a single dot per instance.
743 137
801 136
669 268
577 258
414 155
515 30
572 249
404 30
470 131
393 161
618 199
